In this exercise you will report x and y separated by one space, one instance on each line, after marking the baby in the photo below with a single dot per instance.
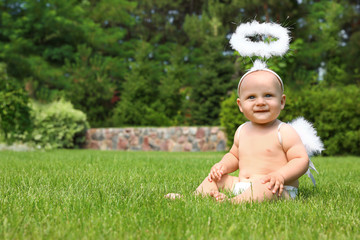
269 154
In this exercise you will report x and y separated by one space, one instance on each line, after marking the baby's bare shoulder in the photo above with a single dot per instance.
292 144
288 129
290 136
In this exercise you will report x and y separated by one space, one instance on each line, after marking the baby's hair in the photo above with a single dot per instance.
256 70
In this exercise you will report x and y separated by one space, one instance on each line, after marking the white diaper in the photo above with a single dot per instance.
240 187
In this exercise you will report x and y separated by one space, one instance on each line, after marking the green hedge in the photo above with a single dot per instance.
58 125
335 113
15 121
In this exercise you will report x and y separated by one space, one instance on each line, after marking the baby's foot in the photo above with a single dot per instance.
172 196
218 196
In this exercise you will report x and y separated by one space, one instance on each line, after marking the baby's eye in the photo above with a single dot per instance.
251 97
268 95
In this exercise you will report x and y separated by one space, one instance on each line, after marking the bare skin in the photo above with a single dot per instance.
256 151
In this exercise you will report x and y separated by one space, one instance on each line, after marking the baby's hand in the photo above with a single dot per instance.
216 172
275 182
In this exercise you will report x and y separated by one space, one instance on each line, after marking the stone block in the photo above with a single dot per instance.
214 130
167 134
129 131
200 133
164 146
213 138
181 139
114 141
187 147
145 145
106 145
204 147
154 145
177 148
153 134
135 148
195 147
221 146
98 135
134 140
94 145
137 131
192 130
221 135
178 132
123 144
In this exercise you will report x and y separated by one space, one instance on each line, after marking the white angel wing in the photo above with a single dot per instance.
310 139
308 135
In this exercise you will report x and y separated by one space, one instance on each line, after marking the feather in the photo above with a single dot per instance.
240 41
258 65
308 135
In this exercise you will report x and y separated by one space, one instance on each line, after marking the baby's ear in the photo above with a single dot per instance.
239 104
283 100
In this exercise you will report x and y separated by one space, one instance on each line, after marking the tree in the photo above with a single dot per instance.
40 39
214 65
90 88
139 103
15 120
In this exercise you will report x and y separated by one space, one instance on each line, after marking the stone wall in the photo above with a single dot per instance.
173 139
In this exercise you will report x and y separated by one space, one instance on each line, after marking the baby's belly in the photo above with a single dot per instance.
250 178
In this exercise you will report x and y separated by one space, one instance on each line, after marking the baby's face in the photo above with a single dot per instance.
261 98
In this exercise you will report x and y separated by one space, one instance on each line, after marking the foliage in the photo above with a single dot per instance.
90 87
58 125
40 43
15 120
153 92
333 111
335 115
213 79
139 104
166 62
231 117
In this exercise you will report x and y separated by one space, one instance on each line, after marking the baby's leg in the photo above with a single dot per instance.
212 188
258 192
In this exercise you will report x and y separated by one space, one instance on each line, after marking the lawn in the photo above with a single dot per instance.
83 194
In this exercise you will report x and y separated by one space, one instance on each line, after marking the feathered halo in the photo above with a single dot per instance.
241 42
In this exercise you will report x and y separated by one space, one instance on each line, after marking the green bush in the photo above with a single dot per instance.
231 117
335 113
58 125
15 122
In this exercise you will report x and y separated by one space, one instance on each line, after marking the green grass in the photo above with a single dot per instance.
86 194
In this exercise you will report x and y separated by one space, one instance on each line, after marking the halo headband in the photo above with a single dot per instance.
259 66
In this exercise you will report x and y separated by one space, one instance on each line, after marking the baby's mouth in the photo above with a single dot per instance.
261 111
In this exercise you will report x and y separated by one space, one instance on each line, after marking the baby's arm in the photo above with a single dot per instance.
298 161
228 164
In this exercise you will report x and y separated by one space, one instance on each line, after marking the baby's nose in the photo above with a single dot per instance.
260 101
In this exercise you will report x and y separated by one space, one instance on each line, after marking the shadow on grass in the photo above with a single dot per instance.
307 192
